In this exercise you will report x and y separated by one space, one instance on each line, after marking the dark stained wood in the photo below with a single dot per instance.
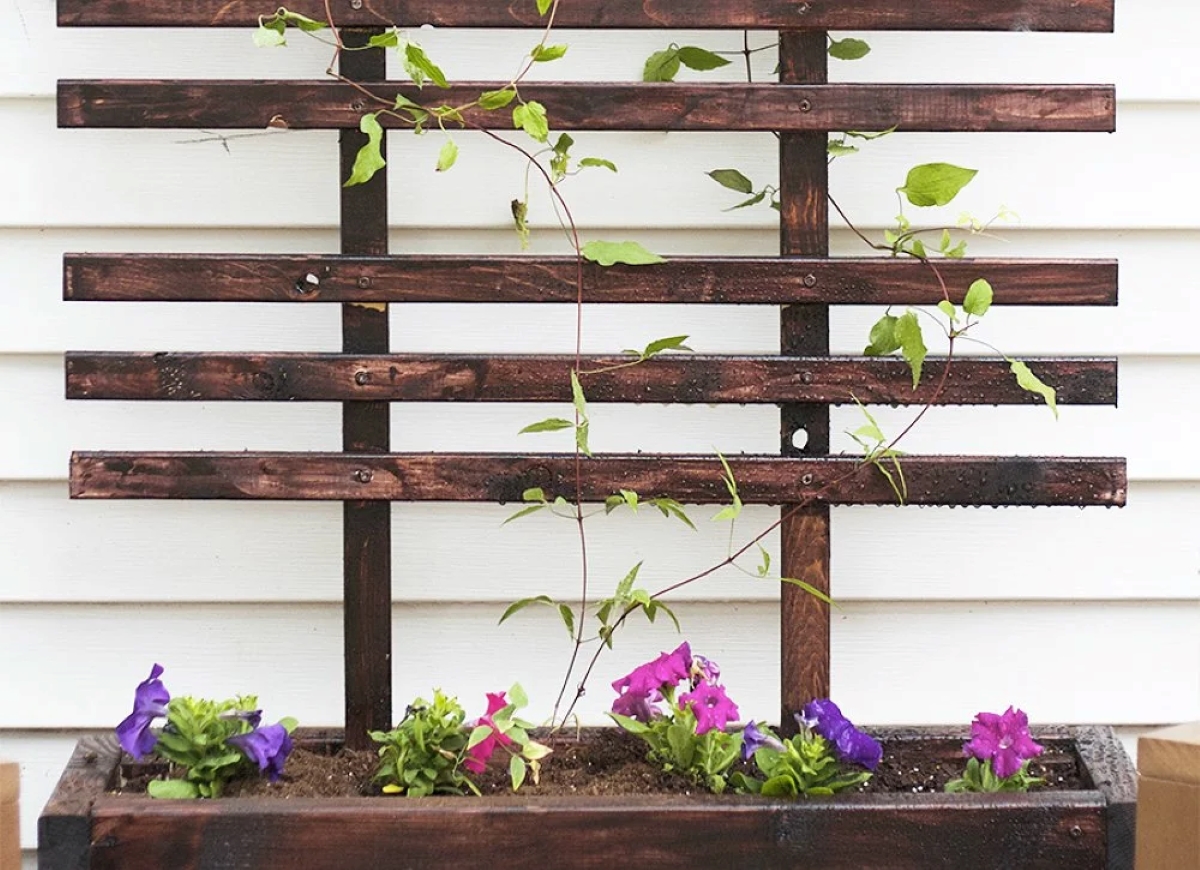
499 477
1061 15
366 525
746 280
65 824
602 106
804 533
678 378
1106 760
1041 829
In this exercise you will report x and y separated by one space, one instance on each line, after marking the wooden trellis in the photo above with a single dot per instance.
803 379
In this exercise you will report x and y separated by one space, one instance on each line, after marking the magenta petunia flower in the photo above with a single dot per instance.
825 718
149 703
754 739
711 706
478 755
635 706
1002 739
268 747
666 670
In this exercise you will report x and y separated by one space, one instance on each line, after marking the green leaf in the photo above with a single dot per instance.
520 215
883 337
491 100
516 770
543 6
732 179
1027 380
544 53
173 788
531 117
289 723
912 344
754 200
947 308
524 512
935 183
551 424
625 587
369 159
580 402
447 155
700 59
535 751
610 253
269 37
522 604
838 148
598 161
568 618
419 67
534 493
517 696
390 39
633 726
849 49
479 734
765 568
675 342
308 25
978 299
668 611
662 66
671 508
631 498
809 588
918 249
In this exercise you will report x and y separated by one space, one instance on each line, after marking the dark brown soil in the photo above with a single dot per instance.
607 761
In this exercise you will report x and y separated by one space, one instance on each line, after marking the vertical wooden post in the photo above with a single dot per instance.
804 329
366 525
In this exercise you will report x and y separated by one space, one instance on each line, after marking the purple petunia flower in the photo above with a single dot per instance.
635 706
711 706
704 670
268 747
149 703
825 718
754 739
1002 739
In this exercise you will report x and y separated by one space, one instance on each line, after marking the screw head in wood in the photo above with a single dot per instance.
805 105
362 378
364 282
806 377
806 479
363 475
357 106
356 4
810 280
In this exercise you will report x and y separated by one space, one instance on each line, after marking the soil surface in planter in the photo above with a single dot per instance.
607 761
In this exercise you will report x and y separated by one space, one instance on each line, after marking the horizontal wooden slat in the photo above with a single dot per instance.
964 480
746 280
1061 15
601 106
679 378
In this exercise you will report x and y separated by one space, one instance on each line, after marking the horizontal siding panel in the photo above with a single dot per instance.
1149 427
135 177
1156 275
63 551
41 53
43 755
892 663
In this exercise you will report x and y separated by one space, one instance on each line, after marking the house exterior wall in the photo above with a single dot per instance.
1088 616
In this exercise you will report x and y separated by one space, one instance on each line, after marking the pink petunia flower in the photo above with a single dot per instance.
1002 739
478 755
711 706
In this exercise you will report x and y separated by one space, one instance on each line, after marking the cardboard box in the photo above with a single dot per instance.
10 816
1168 812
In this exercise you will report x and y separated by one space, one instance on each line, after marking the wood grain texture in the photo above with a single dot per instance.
503 478
1047 829
804 533
675 378
366 428
1054 15
218 105
1108 763
724 280
65 824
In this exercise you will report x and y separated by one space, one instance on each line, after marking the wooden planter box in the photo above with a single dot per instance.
85 827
